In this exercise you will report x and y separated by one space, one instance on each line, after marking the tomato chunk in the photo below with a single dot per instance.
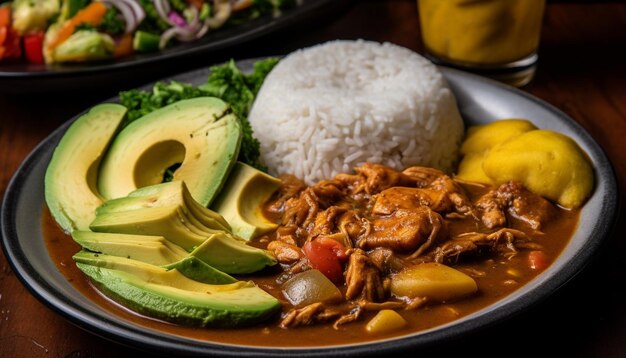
33 47
9 39
326 255
537 260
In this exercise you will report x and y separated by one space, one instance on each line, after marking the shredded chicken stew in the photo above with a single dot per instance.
365 231
378 253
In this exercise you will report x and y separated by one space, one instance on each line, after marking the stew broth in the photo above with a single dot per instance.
502 277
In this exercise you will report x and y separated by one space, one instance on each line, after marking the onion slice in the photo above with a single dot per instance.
140 13
195 20
223 8
203 30
176 19
127 12
181 34
163 8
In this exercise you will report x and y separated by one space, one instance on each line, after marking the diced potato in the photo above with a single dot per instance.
310 287
385 321
434 281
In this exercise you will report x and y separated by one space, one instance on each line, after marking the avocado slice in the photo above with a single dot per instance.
217 248
163 211
228 254
200 134
162 195
198 270
169 295
70 180
167 221
154 250
240 201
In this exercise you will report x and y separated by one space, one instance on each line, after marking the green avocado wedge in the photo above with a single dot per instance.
234 256
241 201
167 221
164 210
169 295
154 250
198 270
217 248
164 194
70 180
200 134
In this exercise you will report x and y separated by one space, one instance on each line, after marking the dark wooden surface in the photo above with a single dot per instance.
582 71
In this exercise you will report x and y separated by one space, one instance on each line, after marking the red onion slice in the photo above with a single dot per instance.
176 19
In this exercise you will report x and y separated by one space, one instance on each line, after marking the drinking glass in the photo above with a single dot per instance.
495 38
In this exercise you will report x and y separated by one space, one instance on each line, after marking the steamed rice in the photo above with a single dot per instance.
329 108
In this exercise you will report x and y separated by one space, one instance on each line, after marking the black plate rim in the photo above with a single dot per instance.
137 337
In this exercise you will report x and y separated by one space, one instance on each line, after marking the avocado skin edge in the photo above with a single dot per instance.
156 306
68 191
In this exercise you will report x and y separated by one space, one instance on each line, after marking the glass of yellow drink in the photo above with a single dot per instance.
496 38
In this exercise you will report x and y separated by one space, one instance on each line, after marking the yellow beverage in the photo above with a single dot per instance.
481 32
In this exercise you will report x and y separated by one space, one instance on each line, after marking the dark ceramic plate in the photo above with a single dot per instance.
480 101
24 77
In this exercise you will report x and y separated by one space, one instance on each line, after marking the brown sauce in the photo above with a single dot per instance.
495 285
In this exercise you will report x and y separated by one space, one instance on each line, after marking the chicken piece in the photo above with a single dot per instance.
405 231
416 303
437 180
299 266
287 234
285 253
352 226
503 241
352 316
387 305
386 260
363 278
329 190
325 221
315 312
392 199
519 202
528 207
422 176
462 204
301 210
290 187
379 177
492 206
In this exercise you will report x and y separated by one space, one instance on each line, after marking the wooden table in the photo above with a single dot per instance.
580 72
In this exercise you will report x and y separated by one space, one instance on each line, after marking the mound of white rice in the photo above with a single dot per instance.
326 109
